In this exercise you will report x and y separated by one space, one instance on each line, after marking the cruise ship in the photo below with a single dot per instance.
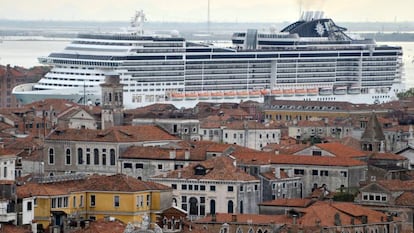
311 59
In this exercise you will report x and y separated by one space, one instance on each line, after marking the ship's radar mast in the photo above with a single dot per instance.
137 22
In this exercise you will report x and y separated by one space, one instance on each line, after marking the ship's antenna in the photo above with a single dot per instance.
208 17
137 22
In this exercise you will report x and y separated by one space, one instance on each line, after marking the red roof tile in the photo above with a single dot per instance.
341 150
217 168
294 202
140 133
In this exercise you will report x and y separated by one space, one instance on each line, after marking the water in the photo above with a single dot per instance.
18 51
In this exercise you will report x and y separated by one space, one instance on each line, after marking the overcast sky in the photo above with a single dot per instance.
196 10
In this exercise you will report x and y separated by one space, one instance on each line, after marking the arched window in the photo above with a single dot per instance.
68 158
193 206
96 156
51 156
259 231
103 159
112 158
241 207
239 230
251 230
80 156
230 207
212 206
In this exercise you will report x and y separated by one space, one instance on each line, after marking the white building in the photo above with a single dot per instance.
213 186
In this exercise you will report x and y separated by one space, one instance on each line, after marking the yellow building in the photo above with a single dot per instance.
92 198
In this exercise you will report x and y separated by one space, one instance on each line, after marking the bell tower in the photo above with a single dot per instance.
112 102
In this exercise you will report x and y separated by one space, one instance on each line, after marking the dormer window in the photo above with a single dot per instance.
199 170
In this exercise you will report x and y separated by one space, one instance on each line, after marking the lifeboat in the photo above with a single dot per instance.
288 92
325 91
340 91
254 93
177 96
242 94
203 95
216 95
276 92
264 92
354 90
191 95
229 94
300 92
312 91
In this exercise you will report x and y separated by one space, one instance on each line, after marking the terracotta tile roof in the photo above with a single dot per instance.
140 133
341 150
387 156
96 183
320 123
324 212
197 150
294 202
217 168
58 105
103 226
397 185
246 218
271 175
269 158
9 228
347 141
120 183
405 199
240 125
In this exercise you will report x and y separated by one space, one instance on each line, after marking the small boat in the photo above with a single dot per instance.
203 95
242 94
354 90
177 96
216 95
312 91
300 92
254 93
288 92
276 92
340 91
325 91
191 95
229 94
265 92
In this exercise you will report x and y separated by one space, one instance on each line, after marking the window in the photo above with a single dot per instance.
128 165
92 201
229 188
51 156
184 187
116 201
81 201
184 203
202 187
140 201
29 206
323 173
212 188
35 201
96 156
5 172
174 186
230 206
148 200
68 159
139 165
103 159
317 153
74 202
159 166
80 156
112 157
344 174
314 172
241 188
299 172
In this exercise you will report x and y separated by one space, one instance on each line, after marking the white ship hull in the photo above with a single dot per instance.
299 63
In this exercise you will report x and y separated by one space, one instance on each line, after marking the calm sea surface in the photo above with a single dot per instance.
20 52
